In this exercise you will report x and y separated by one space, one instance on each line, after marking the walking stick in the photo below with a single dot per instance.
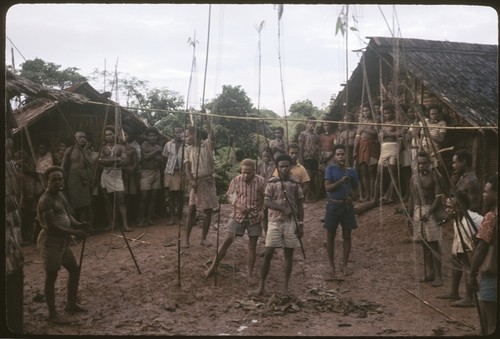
129 249
218 214
80 264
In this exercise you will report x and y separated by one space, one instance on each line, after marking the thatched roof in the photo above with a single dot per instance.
462 75
15 85
48 99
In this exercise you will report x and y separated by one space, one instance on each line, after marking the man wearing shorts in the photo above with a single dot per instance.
389 153
341 183
246 194
488 237
57 224
284 199
151 159
425 198
199 169
113 158
172 152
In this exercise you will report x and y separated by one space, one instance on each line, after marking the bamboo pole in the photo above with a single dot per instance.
439 311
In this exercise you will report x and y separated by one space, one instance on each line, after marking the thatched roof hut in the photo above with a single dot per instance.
53 114
461 77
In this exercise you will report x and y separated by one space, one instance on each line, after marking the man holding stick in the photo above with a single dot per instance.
284 199
199 161
246 194
53 242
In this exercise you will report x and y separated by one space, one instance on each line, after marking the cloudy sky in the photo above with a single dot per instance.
150 42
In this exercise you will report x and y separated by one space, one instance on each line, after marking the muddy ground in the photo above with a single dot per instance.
373 301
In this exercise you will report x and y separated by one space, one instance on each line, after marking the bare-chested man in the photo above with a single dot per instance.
467 182
77 167
113 158
327 141
346 137
425 198
246 194
388 153
151 160
278 144
366 152
53 242
308 155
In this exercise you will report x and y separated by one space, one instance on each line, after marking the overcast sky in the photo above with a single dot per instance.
150 43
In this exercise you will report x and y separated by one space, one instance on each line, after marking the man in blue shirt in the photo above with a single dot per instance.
341 183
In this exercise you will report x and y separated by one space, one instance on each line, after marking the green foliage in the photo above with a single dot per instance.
301 110
151 104
225 168
49 74
158 104
233 101
166 124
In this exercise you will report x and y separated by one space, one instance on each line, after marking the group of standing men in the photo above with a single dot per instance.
267 197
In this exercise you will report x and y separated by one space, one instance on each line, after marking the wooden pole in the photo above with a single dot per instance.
439 311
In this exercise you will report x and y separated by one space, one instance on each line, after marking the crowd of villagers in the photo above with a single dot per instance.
370 157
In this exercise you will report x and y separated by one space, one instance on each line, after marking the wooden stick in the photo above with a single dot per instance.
134 239
437 310
121 236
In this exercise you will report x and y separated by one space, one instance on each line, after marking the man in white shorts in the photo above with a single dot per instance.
284 199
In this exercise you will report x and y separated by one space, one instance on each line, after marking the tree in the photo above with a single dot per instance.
158 103
233 101
301 110
151 104
49 74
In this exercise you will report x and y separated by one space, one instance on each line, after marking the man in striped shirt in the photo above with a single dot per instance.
246 194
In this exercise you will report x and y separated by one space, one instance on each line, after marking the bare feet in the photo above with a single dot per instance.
463 303
427 279
127 229
204 242
185 244
149 222
208 274
74 309
171 221
251 281
345 270
450 296
58 320
258 291
438 282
